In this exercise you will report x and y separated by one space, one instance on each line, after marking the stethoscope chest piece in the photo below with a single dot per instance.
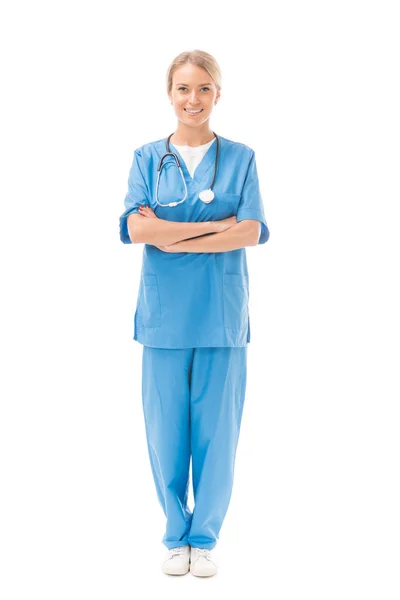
206 196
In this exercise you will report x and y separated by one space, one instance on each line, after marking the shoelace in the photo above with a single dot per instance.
203 552
176 551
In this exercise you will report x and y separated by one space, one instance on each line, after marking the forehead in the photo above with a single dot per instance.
191 73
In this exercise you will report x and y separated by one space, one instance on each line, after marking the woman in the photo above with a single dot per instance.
195 216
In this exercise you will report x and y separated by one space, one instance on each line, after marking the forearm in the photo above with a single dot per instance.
159 232
238 236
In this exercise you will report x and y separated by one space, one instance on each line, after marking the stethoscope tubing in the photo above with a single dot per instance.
169 153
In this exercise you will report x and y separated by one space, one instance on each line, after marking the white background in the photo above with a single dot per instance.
313 88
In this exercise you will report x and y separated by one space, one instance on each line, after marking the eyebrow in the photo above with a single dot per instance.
188 84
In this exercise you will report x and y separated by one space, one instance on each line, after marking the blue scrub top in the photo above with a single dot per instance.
193 299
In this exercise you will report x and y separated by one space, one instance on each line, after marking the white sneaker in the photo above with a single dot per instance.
176 561
201 562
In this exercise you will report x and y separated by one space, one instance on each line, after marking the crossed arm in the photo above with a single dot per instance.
172 236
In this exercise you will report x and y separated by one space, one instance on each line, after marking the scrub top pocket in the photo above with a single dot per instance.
236 301
150 305
226 205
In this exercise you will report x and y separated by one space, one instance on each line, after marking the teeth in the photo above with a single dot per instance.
193 111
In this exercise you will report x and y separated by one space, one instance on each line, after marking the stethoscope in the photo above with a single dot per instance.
206 195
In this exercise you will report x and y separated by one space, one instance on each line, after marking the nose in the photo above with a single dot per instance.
193 98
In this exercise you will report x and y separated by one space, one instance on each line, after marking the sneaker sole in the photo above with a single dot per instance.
171 571
175 573
193 572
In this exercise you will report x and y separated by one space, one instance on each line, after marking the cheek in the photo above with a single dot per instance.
177 102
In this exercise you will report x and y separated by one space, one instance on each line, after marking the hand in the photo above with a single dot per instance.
146 211
171 248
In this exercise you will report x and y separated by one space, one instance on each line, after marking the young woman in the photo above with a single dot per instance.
193 199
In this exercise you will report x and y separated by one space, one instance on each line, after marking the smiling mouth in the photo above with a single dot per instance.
197 112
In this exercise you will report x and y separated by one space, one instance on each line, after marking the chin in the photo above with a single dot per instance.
190 122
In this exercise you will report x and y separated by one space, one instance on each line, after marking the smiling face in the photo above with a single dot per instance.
193 90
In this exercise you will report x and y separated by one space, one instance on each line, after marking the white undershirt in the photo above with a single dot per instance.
193 155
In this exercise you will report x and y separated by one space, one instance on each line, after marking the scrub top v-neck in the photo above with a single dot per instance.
192 155
194 299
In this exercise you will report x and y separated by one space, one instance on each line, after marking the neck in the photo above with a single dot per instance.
192 136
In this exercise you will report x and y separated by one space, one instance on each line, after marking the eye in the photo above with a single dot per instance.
184 88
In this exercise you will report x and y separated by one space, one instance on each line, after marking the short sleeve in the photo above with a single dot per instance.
137 194
251 203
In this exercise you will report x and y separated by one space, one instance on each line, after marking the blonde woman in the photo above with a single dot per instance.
193 200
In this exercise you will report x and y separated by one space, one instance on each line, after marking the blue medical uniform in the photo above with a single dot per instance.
192 319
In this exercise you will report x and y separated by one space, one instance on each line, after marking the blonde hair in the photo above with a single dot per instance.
199 58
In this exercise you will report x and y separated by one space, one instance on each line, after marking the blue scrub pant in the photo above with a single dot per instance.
192 402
